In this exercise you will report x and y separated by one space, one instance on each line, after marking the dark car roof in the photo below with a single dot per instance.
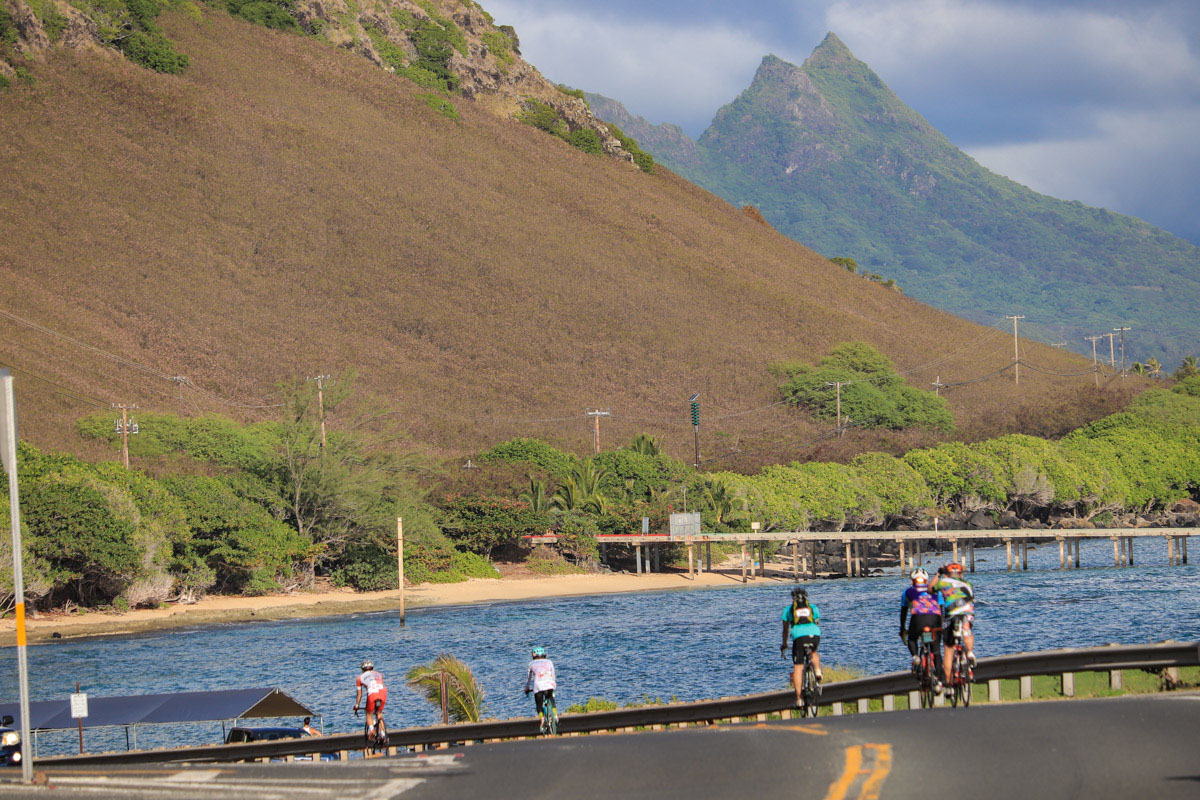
268 733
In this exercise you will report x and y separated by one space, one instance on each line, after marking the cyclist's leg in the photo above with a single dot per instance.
948 640
969 637
798 668
816 657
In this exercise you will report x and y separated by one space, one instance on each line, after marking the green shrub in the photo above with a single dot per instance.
8 29
24 75
643 160
872 393
586 140
435 40
153 51
1189 386
278 15
543 117
500 46
532 451
569 92
482 524
441 105
53 22
4 82
592 704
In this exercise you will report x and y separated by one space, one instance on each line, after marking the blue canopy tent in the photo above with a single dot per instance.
129 712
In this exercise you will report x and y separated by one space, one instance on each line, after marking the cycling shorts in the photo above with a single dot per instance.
376 701
968 626
917 624
798 647
541 698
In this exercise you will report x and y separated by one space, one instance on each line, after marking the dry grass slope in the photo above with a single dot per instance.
285 208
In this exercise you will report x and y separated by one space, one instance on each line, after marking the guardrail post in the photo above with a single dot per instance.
889 702
837 709
1026 687
1068 684
994 691
914 699
864 705
1115 680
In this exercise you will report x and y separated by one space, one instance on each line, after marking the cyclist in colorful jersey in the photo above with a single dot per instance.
800 618
540 679
958 600
925 609
370 683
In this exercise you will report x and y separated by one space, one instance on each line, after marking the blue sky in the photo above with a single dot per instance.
1089 100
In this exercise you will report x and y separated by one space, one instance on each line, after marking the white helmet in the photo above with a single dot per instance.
919 575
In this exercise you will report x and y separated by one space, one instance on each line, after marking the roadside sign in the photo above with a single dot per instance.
79 708
685 524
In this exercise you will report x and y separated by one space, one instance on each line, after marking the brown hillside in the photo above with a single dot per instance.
285 208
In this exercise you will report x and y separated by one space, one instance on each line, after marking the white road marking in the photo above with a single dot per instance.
394 788
194 775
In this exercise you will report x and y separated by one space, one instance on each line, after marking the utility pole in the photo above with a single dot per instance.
8 456
320 379
597 414
695 408
1112 356
400 563
937 386
124 429
1095 364
838 386
1122 332
1016 350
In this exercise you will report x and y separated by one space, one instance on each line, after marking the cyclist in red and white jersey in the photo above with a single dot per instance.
370 683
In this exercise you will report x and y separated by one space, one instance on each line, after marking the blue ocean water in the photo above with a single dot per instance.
688 644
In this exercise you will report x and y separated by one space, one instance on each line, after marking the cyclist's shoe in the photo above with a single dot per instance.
971 658
916 663
938 688
818 673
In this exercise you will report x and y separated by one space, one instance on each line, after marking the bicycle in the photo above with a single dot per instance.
548 712
376 739
810 689
961 674
926 667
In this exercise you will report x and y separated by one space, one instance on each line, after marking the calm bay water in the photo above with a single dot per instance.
685 644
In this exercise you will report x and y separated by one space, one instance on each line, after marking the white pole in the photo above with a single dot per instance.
8 449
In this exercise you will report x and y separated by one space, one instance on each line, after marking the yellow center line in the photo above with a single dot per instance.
881 765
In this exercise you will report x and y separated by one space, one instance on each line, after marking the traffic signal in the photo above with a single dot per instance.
695 414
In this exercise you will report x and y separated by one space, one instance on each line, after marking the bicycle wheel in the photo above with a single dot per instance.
381 734
956 678
964 680
808 691
926 680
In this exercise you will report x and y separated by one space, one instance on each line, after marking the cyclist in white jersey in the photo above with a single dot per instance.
370 683
540 679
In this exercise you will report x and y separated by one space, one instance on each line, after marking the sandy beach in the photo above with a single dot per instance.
222 609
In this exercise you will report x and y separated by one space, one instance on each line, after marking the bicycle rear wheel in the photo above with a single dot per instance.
808 691
963 676
927 682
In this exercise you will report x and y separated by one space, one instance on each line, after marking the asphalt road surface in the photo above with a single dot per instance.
1128 747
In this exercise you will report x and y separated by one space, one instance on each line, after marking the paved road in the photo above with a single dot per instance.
1116 748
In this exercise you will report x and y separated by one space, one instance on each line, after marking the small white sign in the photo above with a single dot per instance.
79 707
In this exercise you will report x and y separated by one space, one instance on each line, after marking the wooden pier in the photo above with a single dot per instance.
649 548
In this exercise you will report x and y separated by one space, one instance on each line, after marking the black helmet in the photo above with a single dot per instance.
800 593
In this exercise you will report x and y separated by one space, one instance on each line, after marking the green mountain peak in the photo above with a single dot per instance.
831 52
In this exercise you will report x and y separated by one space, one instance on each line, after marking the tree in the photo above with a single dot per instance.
1188 368
464 695
1153 367
535 495
1138 368
645 445
580 491
721 500
482 524
849 264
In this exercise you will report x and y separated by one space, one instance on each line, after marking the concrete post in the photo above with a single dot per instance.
1116 553
914 699
837 709
708 554
1183 540
1026 687
813 563
903 568
972 546
994 691
864 705
796 562
1077 553
1025 554
889 702
691 562
1170 551
1008 552
1062 554
954 546
849 561
1115 680
743 562
939 700
1068 684
638 548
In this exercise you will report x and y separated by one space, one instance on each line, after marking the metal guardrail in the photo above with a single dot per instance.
1093 659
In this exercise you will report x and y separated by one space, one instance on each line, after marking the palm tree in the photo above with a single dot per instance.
572 495
646 445
1189 367
535 495
1153 367
1138 368
464 695
589 476
723 502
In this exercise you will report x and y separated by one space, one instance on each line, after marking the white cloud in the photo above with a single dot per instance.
1073 55
666 70
1144 164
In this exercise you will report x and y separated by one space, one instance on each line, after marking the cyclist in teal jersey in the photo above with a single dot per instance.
800 618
